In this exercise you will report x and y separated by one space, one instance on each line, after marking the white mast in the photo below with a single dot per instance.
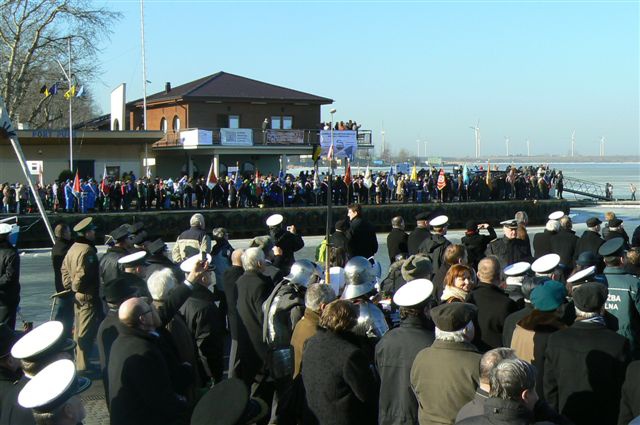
602 140
573 142
68 75
506 141
383 144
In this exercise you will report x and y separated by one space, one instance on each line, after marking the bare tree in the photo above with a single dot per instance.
33 35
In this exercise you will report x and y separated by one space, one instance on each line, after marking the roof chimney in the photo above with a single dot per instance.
167 87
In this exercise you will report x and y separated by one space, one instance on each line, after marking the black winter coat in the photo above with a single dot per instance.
395 354
289 243
229 280
107 334
564 244
434 249
542 243
12 412
58 252
509 251
361 238
109 267
340 386
494 305
584 371
9 274
339 240
253 290
630 401
397 243
158 262
416 237
589 241
206 323
476 245
503 412
140 388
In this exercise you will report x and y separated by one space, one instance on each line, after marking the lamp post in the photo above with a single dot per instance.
327 275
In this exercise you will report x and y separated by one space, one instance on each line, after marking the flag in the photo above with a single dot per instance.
317 151
70 93
80 92
212 180
414 173
53 89
330 152
488 178
76 184
465 174
258 184
368 181
238 182
5 121
347 174
44 90
391 181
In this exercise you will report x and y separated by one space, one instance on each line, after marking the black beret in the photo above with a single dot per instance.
615 222
590 297
454 316
472 226
612 247
139 238
119 290
593 222
120 232
422 216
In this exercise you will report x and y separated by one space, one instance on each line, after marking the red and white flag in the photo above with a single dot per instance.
212 180
76 184
330 152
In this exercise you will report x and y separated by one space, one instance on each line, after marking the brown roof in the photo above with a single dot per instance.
224 86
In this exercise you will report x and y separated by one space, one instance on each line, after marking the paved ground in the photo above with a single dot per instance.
37 283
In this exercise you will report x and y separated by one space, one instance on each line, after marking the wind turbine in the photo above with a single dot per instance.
602 140
573 142
476 131
506 141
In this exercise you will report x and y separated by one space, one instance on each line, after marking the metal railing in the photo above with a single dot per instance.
259 137
585 188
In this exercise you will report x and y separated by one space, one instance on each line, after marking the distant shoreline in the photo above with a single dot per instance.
544 159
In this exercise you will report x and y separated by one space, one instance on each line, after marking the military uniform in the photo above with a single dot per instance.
624 303
80 273
509 251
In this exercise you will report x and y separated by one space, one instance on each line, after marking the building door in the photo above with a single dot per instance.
85 167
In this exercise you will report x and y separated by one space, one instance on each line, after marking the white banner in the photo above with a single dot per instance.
236 136
345 143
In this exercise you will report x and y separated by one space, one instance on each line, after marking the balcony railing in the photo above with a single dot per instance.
253 137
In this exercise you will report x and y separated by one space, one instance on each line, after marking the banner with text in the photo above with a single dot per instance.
345 143
285 137
236 137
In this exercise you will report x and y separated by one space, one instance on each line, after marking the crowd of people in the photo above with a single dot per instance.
306 189
487 331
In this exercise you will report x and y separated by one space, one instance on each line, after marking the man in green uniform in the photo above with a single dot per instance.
81 273
624 293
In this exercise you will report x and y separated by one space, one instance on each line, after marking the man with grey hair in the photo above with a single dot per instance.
192 241
397 238
590 239
253 290
317 297
585 363
512 396
451 359
489 360
564 244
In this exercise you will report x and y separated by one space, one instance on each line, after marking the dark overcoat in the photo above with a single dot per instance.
396 243
361 238
542 244
494 305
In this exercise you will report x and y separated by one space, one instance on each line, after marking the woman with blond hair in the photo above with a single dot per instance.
459 281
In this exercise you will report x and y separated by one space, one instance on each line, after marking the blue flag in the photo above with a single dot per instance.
465 175
391 181
281 177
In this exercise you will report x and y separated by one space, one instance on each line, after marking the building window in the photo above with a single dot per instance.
234 121
163 125
176 123
116 125
276 123
287 123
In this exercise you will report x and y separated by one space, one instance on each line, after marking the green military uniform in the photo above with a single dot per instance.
624 303
81 273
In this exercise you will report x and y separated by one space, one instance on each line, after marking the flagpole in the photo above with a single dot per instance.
70 109
327 267
144 88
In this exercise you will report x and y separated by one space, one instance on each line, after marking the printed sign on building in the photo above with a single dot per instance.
285 137
345 143
236 136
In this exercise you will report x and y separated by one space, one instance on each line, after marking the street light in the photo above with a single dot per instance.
327 275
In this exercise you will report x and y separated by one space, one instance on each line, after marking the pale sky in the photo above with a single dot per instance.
421 70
